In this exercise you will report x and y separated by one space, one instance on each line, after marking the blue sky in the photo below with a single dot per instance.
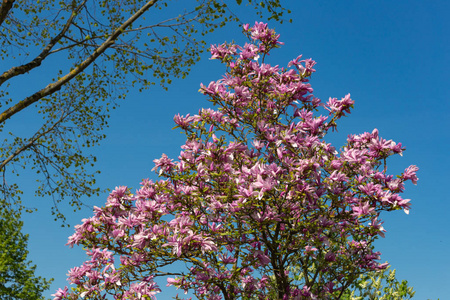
394 59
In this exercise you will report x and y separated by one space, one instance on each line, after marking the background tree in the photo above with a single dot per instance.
256 189
17 279
375 285
379 285
90 53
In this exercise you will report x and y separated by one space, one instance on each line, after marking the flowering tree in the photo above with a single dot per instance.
256 190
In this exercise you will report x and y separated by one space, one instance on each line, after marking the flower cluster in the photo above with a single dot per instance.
255 190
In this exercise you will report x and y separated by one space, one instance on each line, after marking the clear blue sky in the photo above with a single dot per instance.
394 59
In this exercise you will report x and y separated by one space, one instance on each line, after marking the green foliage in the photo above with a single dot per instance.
89 54
17 279
381 285
377 285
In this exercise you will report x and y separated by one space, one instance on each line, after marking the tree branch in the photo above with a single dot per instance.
30 143
55 86
15 71
4 9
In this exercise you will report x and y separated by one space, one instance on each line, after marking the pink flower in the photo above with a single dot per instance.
183 121
310 250
362 209
330 256
340 106
145 288
74 239
165 164
60 294
222 51
207 245
376 224
410 174
262 257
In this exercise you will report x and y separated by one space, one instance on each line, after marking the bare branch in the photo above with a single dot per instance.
30 143
55 86
161 24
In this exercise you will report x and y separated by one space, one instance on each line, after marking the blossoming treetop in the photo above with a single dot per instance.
256 189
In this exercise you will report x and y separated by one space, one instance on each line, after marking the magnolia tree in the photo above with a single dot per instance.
256 190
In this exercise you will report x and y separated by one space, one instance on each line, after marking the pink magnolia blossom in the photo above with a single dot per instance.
410 174
60 294
363 209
